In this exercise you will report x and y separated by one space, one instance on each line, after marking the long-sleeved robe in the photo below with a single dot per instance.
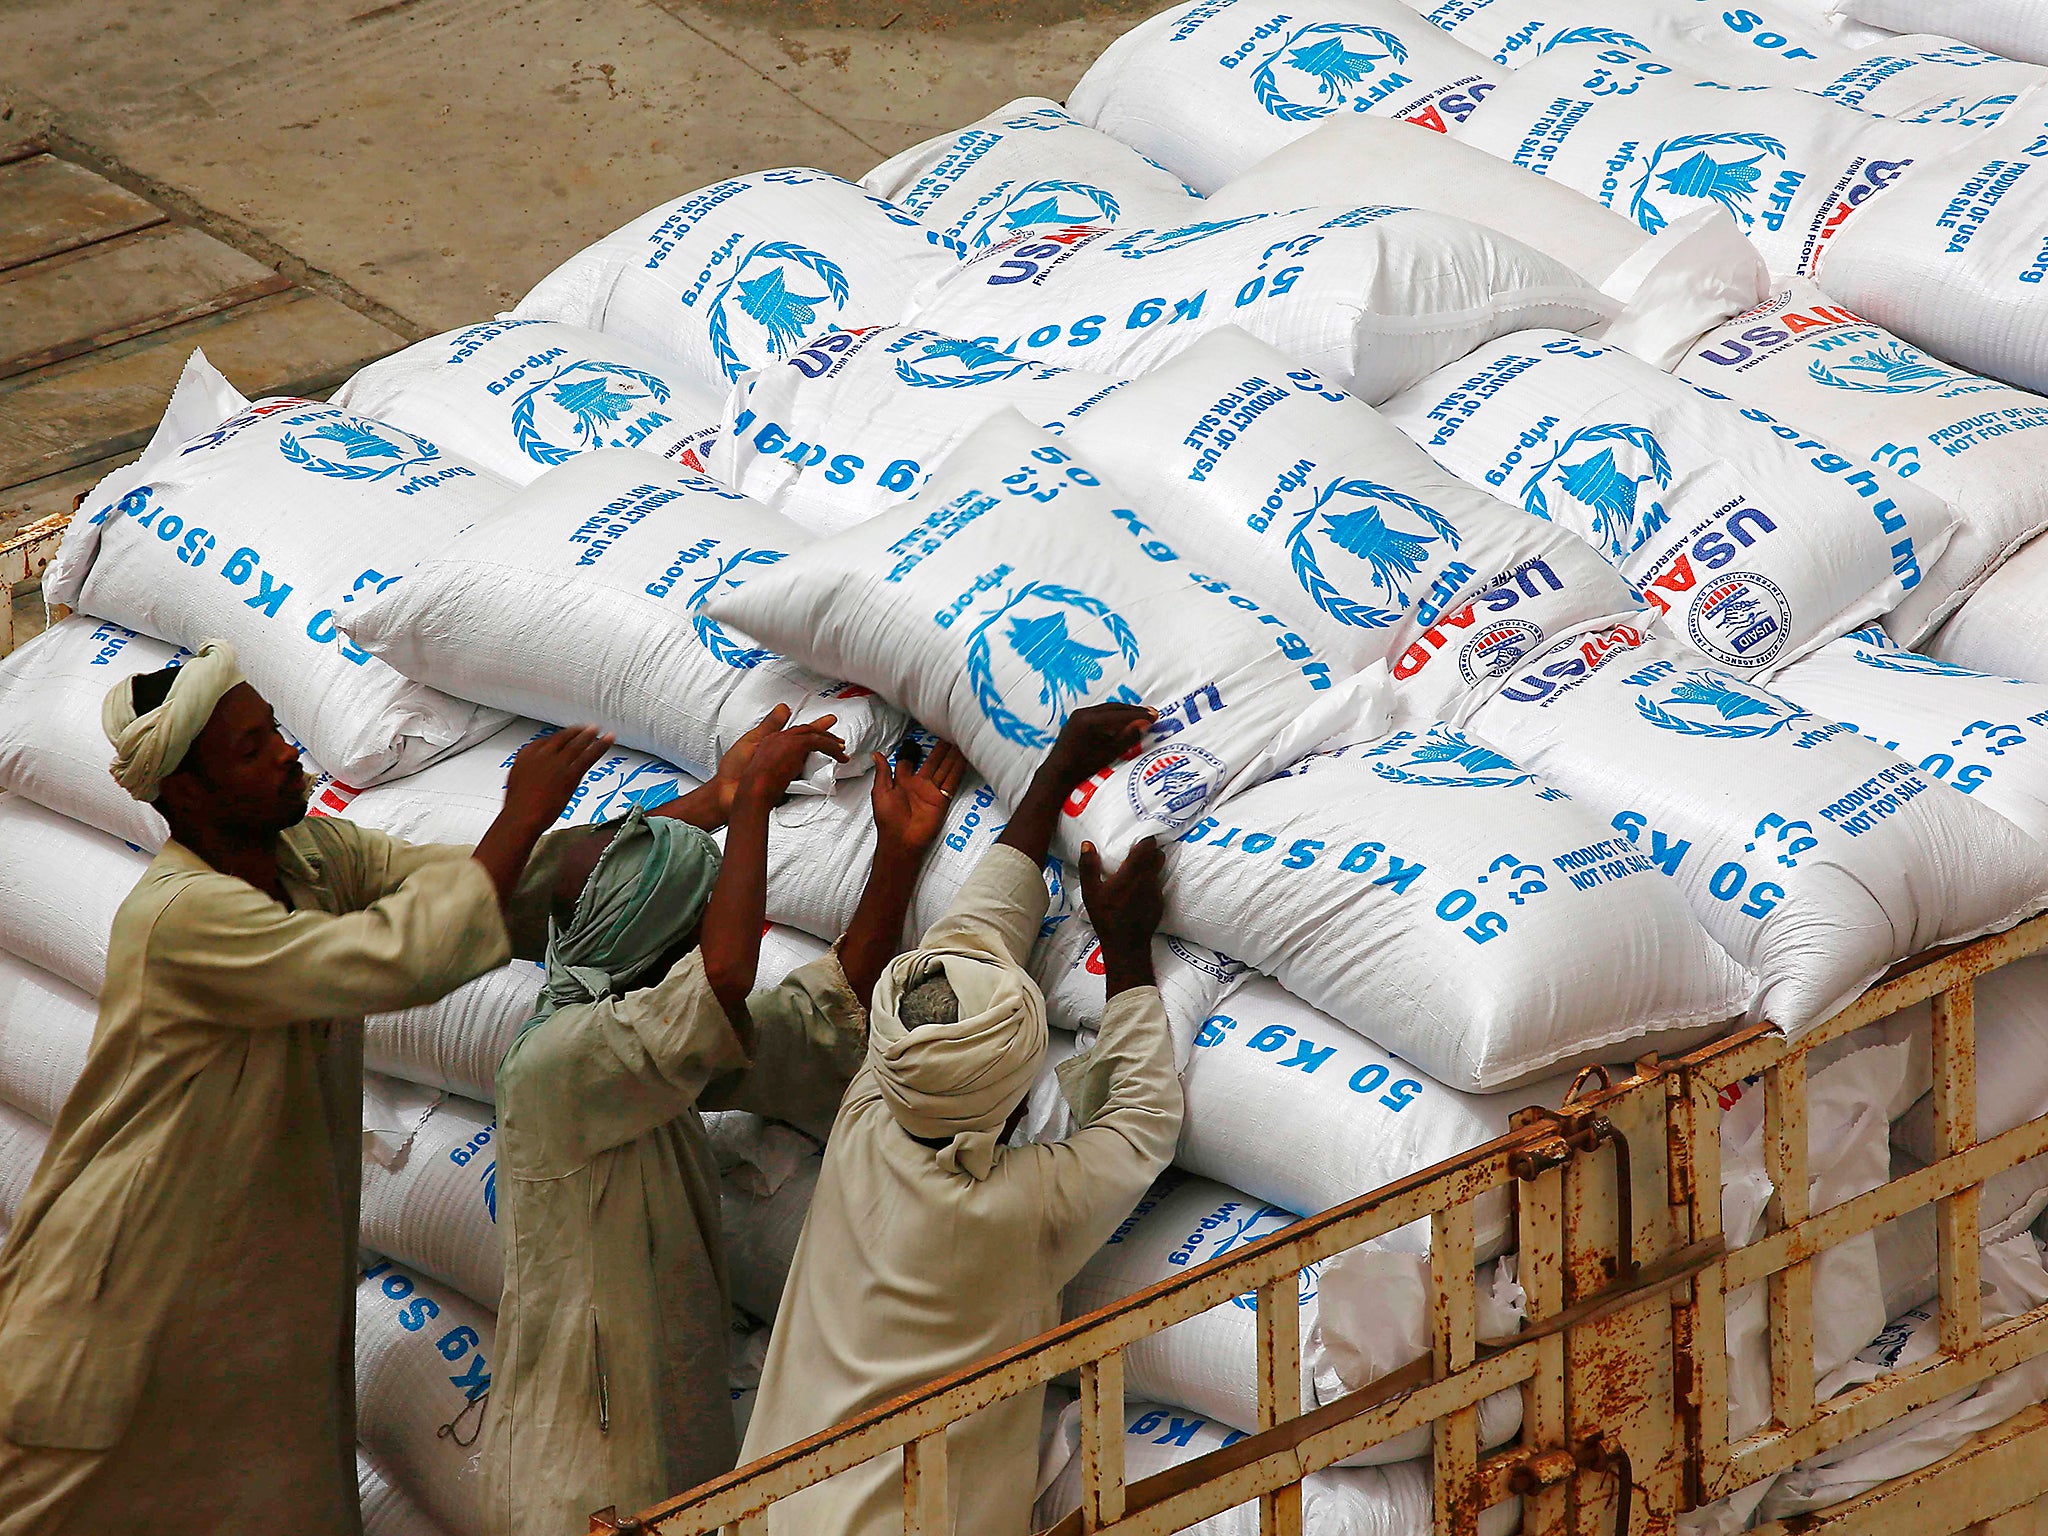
610 1385
177 1305
906 1272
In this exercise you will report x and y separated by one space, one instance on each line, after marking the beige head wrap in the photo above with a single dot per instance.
961 1079
148 748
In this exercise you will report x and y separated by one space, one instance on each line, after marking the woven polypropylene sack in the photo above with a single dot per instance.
1655 143
46 1027
457 1042
2015 29
388 1510
1926 78
767 1174
1020 586
1375 1320
1027 166
1998 630
1985 736
1451 906
436 1208
60 885
423 1390
521 396
742 272
53 749
1754 540
263 532
1764 46
584 601
1372 298
1812 855
1970 440
1209 88
1953 257
1320 508
22 1139
1069 968
856 421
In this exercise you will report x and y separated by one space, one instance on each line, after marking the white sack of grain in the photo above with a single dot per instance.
1029 166
521 396
60 885
1767 44
2012 1062
1808 361
1924 77
53 749
46 1027
1454 908
742 272
1320 508
263 531
1812 856
435 1207
1209 87
1355 1117
1364 1314
584 602
22 1139
1954 256
1754 540
767 1174
1654 143
1373 298
2013 29
457 1043
1069 968
1019 586
1984 736
855 422
423 1390
388 1510
1341 1501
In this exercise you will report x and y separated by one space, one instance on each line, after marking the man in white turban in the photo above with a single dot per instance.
177 1295
930 1244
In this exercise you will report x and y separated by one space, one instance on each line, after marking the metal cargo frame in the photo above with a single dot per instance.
1622 1366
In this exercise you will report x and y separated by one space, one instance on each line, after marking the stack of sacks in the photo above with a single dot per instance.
767 1174
1808 361
1373 298
1029 166
521 396
22 1139
60 885
262 525
585 599
1207 89
1754 542
387 1509
713 280
2015 29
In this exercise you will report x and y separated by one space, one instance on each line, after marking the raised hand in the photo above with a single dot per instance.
1127 903
546 772
910 804
732 767
777 758
1093 738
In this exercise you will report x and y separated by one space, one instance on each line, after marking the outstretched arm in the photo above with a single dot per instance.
709 806
537 789
910 812
1089 742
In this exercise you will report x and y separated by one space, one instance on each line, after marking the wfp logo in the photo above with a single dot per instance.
1355 519
1890 370
1741 619
1447 760
1684 167
1608 482
1048 628
780 291
1610 37
1717 708
1172 784
369 450
1243 1231
1314 70
581 402
1157 242
1916 665
1494 651
960 363
650 784
1039 204
728 572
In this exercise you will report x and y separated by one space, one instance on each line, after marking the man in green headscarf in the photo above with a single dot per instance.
610 1386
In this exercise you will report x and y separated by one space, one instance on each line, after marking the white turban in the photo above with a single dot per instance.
959 1080
148 748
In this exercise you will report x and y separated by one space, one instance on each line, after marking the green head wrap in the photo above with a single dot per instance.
649 889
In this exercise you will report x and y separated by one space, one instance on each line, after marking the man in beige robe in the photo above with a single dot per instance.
177 1294
929 1244
610 1385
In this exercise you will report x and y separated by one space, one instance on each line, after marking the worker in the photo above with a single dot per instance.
177 1297
929 1243
611 1383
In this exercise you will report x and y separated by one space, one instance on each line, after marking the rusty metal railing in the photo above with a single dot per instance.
24 555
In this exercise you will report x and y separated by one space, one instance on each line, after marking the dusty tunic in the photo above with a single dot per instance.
610 1386
178 1290
906 1271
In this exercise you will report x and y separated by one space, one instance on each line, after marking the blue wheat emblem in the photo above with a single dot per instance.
773 286
1611 493
1894 369
1393 555
1724 710
709 632
593 397
1332 58
369 450
1046 204
963 363
1458 763
1699 175
1067 668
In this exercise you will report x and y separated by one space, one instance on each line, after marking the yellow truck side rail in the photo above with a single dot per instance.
23 556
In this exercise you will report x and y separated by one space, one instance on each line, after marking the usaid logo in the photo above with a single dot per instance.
1705 168
1172 784
1066 642
1717 708
778 294
1043 204
1495 650
1896 369
1613 463
368 450
577 407
1388 532
954 362
1317 70
1740 619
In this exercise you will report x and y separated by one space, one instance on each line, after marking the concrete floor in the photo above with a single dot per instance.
437 157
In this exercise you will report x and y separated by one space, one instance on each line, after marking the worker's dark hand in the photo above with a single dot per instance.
778 759
732 767
910 799
1125 905
546 772
1092 739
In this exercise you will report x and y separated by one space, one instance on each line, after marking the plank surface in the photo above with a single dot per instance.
53 205
116 289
